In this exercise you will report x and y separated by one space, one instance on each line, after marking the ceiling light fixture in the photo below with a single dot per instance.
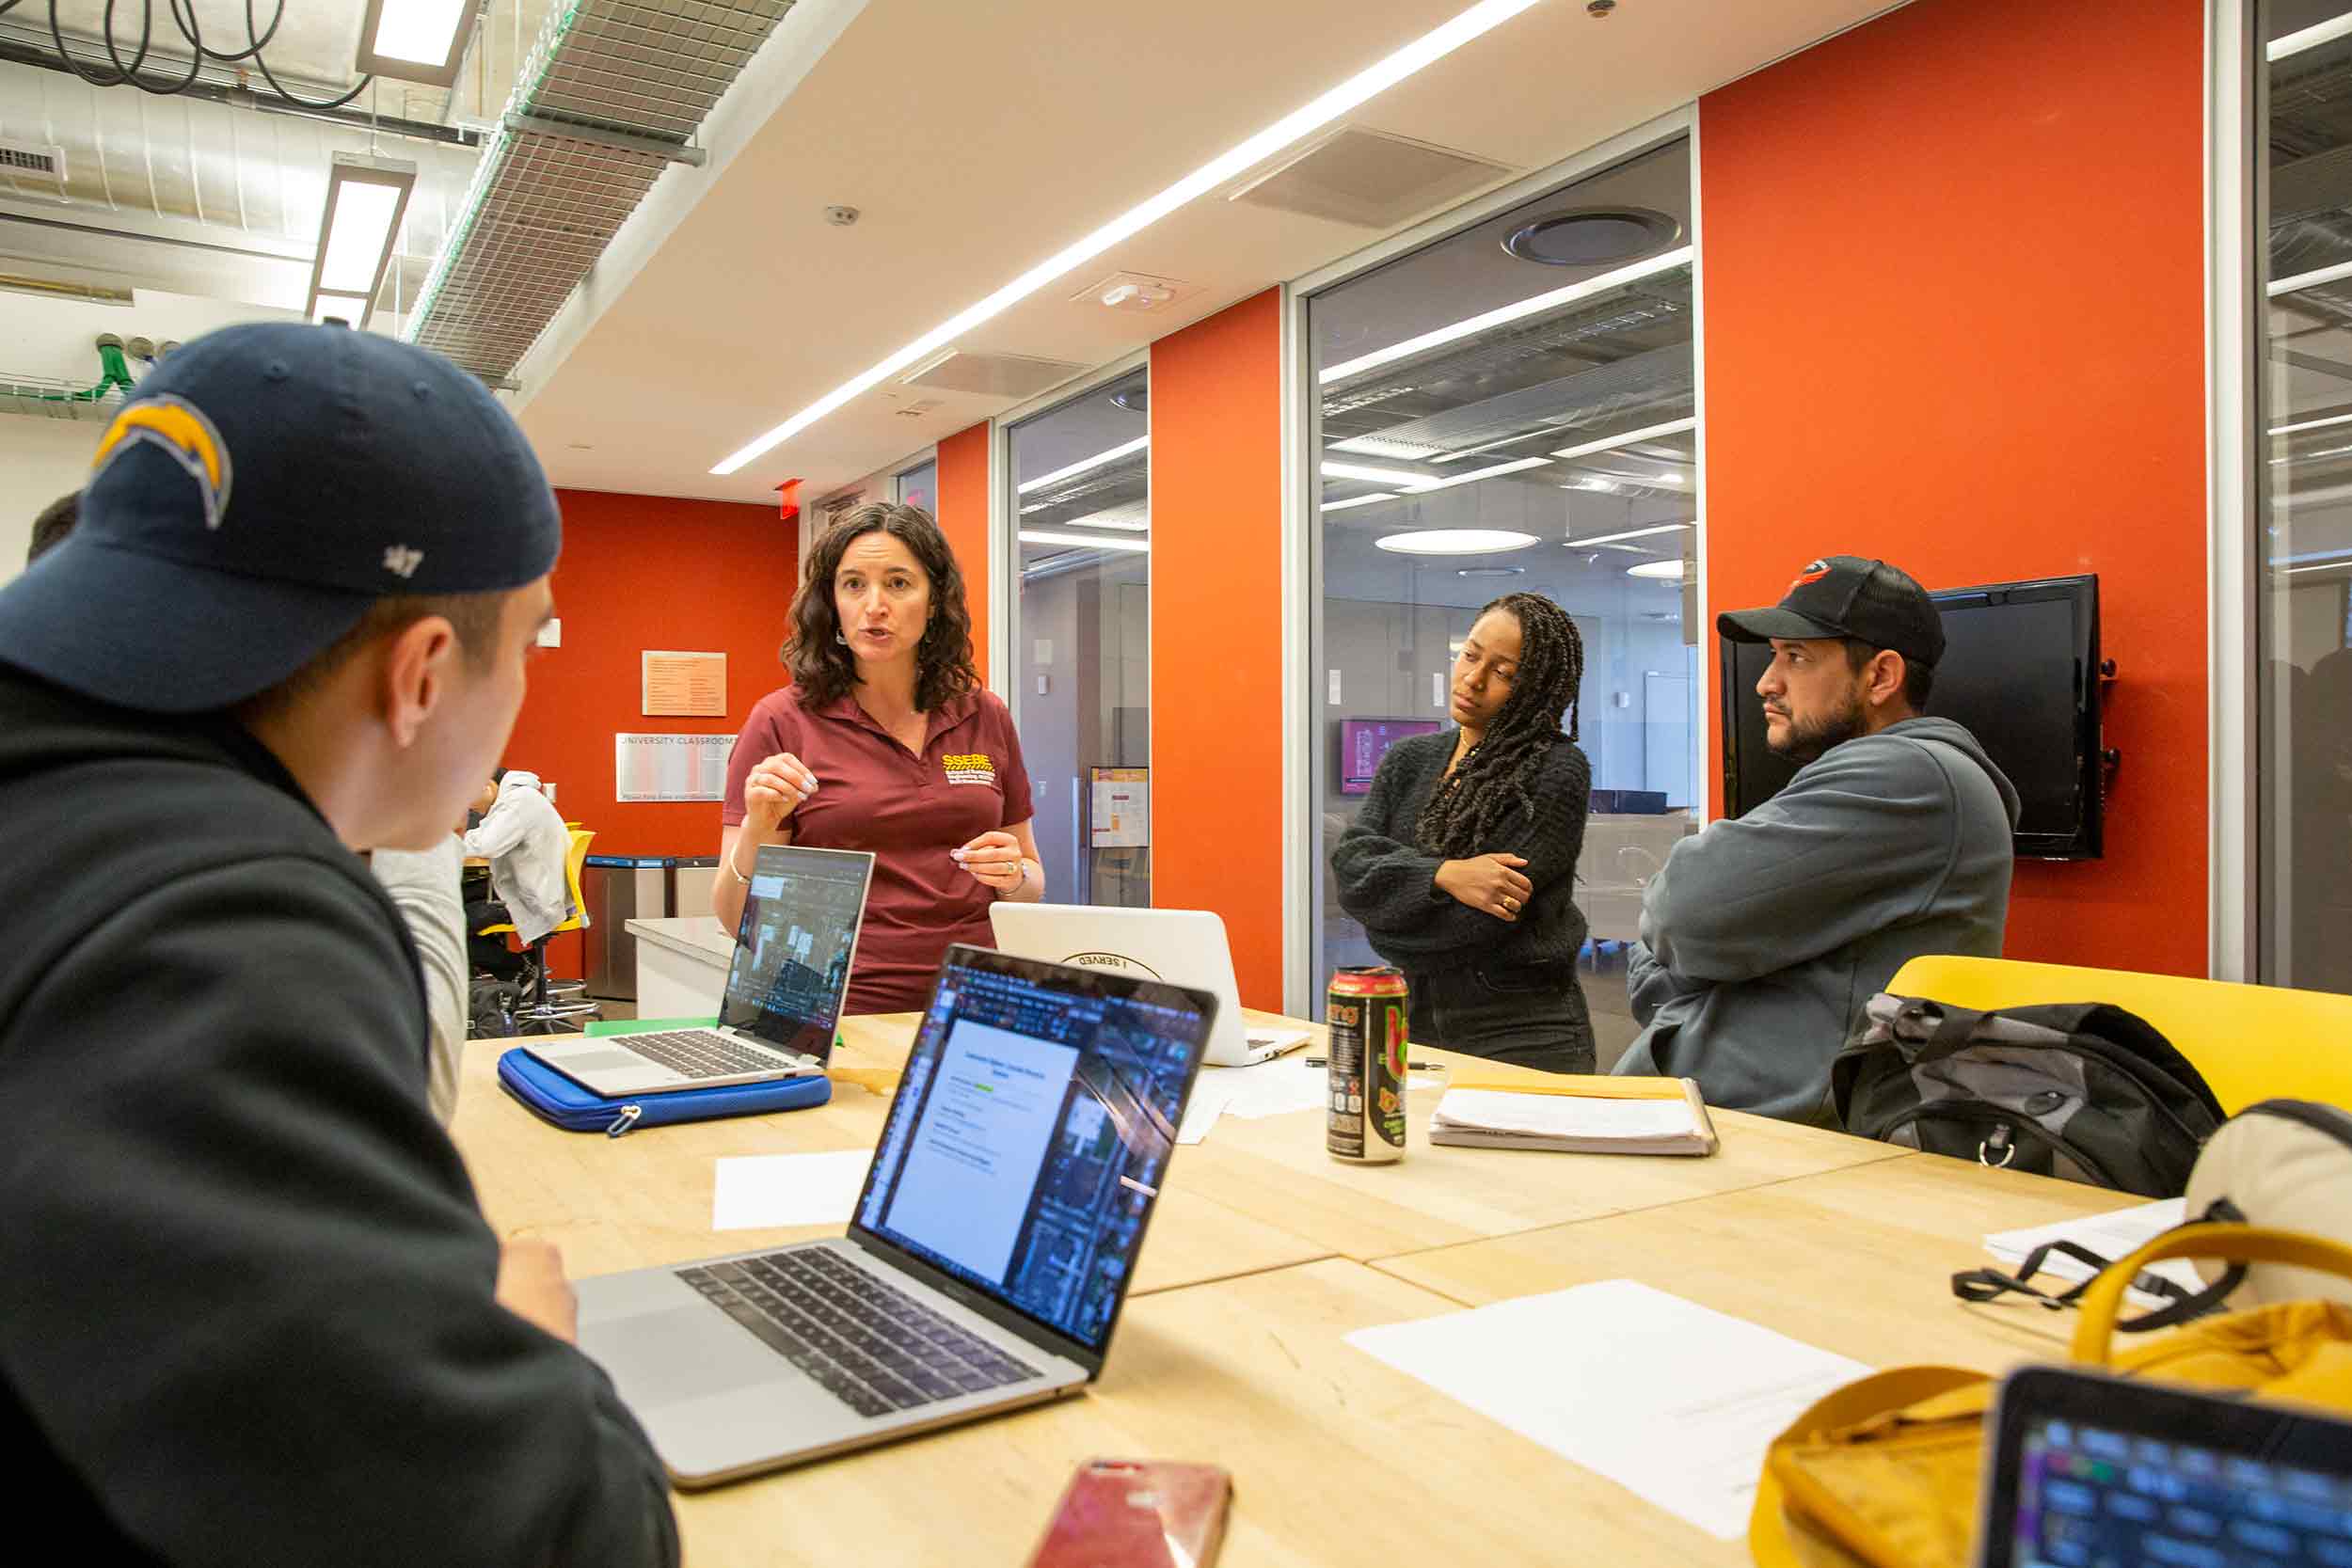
2311 424
1040 536
1360 500
1666 571
366 198
1629 533
1125 449
1477 474
1629 438
1381 446
2310 37
1457 540
1358 90
1103 520
2322 566
1489 572
1397 477
1504 315
416 40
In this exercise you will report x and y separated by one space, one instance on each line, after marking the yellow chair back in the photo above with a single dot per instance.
2251 1042
576 858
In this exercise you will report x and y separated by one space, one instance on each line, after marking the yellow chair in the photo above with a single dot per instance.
2251 1042
557 1017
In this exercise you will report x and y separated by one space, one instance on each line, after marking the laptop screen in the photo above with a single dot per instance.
1031 1132
2117 1476
794 948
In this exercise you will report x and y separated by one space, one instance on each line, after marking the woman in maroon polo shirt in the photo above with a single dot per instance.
885 740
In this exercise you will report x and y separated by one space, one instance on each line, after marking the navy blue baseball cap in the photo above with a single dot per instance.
260 490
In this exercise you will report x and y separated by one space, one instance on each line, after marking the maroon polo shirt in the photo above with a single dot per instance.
874 794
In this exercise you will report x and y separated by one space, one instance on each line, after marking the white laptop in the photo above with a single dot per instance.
988 1256
1185 947
794 954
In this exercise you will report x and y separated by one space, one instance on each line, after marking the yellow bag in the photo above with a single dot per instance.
1884 1472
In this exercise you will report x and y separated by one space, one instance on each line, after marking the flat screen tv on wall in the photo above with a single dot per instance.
1364 741
2020 670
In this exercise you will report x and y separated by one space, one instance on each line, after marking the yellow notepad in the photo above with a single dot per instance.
1577 1113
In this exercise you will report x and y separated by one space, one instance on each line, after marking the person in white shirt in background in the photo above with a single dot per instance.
523 837
424 884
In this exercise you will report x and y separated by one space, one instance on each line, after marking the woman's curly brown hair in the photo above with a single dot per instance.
823 668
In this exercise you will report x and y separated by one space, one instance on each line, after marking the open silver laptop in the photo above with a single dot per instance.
987 1259
1185 947
794 954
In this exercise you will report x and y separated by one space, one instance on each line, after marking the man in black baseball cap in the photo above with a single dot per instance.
1761 938
249 1309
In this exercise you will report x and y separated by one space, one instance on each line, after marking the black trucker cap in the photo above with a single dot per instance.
1843 596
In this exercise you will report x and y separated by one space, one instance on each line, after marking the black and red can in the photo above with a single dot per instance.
1364 1120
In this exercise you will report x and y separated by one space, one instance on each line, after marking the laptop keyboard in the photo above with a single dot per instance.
700 1053
870 1345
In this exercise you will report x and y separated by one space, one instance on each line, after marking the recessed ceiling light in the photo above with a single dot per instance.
1489 572
1666 571
1135 399
1358 501
1591 236
1504 315
1397 477
1125 449
1457 540
1628 437
1629 533
1040 536
1294 127
1477 474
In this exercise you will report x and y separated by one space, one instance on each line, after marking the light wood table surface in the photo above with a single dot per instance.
1232 1349
644 1198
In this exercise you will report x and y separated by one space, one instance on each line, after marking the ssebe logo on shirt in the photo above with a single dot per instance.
974 767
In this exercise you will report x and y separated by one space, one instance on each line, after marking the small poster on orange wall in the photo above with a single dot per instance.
683 685
670 766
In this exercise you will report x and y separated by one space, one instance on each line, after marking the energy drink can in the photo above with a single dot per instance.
1364 1122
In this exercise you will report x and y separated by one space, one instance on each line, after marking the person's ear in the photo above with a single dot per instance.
418 666
1883 677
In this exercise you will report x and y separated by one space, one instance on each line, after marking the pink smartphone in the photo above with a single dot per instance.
1138 1513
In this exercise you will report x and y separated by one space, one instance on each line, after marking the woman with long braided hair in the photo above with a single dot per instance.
1461 866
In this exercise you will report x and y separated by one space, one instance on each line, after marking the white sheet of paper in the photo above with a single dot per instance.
1202 1111
2110 1235
1269 1089
1565 1116
755 1192
1673 1401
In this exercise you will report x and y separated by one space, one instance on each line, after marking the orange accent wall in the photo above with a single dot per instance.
642 572
1954 316
1216 631
963 518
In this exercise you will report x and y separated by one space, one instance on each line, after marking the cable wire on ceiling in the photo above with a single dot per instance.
184 19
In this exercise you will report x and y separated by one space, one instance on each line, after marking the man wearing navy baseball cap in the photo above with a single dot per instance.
1762 938
249 1309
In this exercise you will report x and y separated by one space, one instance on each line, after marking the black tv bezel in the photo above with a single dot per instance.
2088 841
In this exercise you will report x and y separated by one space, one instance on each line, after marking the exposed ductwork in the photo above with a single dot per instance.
607 101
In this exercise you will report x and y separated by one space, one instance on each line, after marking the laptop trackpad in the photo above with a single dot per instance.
687 1353
598 1061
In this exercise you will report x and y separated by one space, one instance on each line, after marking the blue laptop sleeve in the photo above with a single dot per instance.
554 1098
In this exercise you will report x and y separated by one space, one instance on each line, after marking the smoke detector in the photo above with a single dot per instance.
1135 291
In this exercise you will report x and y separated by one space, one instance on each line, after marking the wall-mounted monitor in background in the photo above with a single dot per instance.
2020 670
1364 741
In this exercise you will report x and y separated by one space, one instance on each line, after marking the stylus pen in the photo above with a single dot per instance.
1409 1067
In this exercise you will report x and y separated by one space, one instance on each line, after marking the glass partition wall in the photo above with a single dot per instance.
2303 552
1513 409
1081 638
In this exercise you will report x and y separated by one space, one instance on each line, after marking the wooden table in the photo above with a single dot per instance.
1262 1255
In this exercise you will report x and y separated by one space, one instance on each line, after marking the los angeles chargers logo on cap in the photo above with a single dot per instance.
181 431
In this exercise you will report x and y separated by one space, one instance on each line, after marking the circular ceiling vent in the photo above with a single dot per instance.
1593 236
1135 399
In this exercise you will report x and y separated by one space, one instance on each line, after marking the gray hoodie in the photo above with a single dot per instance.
1762 938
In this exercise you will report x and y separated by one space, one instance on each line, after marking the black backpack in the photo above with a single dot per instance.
2077 1089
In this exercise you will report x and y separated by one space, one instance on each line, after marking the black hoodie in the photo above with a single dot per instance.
246 1312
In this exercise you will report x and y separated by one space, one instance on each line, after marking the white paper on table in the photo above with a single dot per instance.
755 1192
2112 1236
1202 1111
1562 1115
1268 1089
1673 1401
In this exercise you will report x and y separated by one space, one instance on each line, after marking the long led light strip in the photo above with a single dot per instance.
1040 536
1648 432
1422 52
2313 279
1084 464
1504 315
1360 500
2310 37
2309 424
1629 533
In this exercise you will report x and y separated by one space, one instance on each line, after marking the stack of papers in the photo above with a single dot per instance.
1670 1400
755 1192
2112 1236
1674 1122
